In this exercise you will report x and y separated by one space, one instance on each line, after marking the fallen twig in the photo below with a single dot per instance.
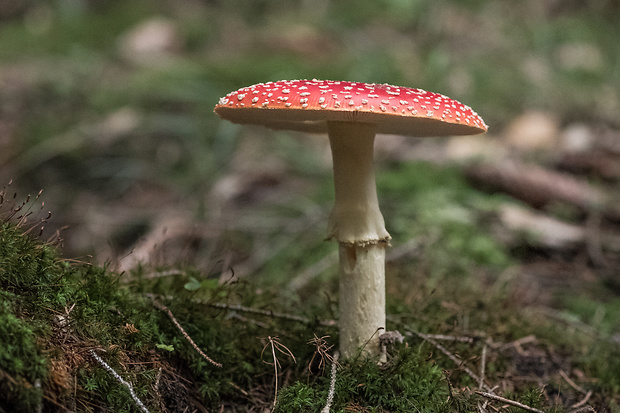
582 402
518 343
580 405
269 313
572 383
536 185
508 401
584 409
187 337
160 274
118 378
249 320
455 359
443 337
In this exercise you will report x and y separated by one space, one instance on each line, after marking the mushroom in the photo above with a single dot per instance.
352 113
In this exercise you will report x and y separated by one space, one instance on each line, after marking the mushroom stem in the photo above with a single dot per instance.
357 224
362 299
355 218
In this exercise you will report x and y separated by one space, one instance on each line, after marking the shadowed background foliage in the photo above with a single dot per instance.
107 106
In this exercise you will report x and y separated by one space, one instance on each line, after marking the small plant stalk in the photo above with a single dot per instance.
332 384
119 379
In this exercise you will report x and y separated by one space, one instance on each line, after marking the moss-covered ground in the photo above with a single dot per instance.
186 341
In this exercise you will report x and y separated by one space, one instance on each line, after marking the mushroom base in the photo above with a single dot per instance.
362 299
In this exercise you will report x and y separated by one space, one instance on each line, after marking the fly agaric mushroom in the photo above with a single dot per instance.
352 113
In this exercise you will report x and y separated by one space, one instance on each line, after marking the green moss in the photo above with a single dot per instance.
52 309
22 363
53 312
407 383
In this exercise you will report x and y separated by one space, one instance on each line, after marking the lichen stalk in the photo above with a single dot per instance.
358 226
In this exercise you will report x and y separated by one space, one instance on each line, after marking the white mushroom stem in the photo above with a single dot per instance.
357 224
362 299
356 218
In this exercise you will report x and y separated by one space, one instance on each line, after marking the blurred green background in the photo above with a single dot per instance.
107 105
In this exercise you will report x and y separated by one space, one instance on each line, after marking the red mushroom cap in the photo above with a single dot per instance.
307 105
